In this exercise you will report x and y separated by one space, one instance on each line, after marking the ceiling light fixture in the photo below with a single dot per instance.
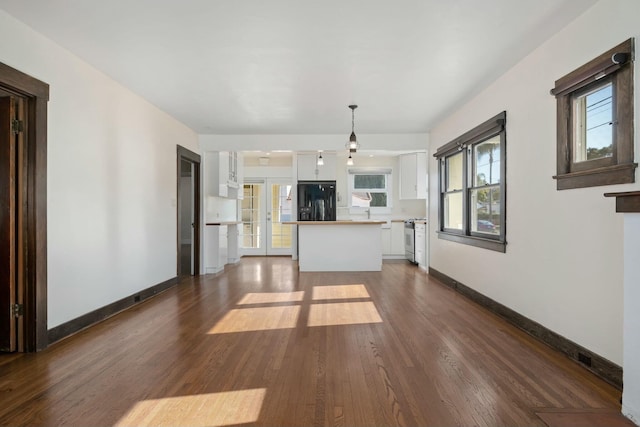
320 160
350 160
353 143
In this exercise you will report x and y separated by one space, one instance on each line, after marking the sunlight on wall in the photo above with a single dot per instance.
271 297
339 292
257 319
212 409
343 313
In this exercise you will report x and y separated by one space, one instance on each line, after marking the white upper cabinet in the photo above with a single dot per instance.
308 169
413 176
235 169
223 173
240 175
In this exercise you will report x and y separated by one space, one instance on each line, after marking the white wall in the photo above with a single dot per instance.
409 141
111 179
631 395
563 266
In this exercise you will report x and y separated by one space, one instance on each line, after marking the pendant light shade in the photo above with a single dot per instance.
320 160
353 144
350 160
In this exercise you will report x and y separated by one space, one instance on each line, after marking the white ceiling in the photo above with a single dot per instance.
293 66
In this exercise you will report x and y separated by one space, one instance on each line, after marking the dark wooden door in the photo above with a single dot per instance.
188 255
7 225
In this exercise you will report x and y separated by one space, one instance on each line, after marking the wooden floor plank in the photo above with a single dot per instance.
252 346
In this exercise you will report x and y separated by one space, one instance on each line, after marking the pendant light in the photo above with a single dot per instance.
320 160
350 160
353 143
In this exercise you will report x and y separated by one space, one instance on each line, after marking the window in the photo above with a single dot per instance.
472 186
595 121
370 189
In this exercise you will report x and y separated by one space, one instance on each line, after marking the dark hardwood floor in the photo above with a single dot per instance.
262 344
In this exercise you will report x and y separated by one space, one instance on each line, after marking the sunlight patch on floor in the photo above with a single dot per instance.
212 409
339 292
257 319
343 313
271 297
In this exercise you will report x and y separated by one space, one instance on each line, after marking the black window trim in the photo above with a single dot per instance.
487 130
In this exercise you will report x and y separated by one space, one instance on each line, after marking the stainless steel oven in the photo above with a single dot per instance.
409 240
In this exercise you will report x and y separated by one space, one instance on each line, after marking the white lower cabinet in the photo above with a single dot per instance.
217 248
393 240
397 238
386 241
233 243
420 242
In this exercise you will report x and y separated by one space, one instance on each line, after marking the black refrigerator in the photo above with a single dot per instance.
316 201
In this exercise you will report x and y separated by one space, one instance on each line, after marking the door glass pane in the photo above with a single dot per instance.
486 162
280 211
454 172
453 211
485 212
251 216
593 112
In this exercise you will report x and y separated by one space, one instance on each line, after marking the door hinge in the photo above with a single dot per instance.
17 126
17 310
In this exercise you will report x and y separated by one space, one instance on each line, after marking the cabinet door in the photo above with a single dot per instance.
223 173
386 241
215 256
215 174
233 235
408 176
397 238
240 174
413 176
307 167
421 175
223 243
327 172
420 243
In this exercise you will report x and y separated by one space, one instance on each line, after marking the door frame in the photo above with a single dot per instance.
266 217
35 96
194 159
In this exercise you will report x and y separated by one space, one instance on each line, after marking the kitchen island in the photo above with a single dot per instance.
339 245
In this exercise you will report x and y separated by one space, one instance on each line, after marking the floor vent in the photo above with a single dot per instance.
584 359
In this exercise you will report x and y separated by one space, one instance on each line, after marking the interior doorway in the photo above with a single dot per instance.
11 204
188 201
265 206
23 211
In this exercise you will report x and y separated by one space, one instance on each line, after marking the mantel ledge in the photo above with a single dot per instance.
627 201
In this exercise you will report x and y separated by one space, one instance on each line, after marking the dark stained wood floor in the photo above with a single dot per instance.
262 344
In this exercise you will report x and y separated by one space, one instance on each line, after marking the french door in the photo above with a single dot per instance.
266 205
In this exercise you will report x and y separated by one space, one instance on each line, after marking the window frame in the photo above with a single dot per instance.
387 173
495 126
620 167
